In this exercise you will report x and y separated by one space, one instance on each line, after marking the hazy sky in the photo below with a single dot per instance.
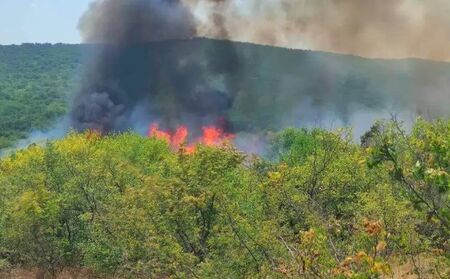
40 20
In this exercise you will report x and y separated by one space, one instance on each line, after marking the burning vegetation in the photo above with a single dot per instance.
125 79
179 139
144 66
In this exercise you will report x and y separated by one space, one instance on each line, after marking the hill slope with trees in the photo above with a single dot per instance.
35 81
277 87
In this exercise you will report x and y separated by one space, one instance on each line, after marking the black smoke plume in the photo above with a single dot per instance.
135 68
143 65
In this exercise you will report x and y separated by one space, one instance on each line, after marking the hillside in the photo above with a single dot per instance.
276 87
35 81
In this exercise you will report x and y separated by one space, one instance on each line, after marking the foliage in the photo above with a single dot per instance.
34 84
323 207
420 162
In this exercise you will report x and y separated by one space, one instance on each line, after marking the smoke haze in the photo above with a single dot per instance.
377 29
136 66
143 64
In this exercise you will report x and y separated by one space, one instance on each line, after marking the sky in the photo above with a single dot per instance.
43 21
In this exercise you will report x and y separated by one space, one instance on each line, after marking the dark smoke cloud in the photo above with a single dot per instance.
136 65
136 21
143 65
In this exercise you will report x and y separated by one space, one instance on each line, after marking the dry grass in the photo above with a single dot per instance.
420 268
39 274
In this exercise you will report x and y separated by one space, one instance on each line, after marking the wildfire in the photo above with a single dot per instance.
211 136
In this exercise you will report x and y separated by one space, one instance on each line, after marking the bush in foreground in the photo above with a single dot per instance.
323 207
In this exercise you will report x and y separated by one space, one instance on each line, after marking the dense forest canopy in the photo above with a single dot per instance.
35 81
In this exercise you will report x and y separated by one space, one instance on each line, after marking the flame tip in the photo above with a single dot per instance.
212 136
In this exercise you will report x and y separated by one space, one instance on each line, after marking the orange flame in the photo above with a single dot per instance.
180 136
157 133
212 136
215 136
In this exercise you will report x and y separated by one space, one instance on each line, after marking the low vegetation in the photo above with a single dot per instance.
320 207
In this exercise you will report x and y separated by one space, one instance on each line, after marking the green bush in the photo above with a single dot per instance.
127 206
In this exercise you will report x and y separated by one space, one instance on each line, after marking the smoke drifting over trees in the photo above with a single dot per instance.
144 66
381 28
137 68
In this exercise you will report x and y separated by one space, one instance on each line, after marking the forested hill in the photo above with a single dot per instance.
34 85
298 86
